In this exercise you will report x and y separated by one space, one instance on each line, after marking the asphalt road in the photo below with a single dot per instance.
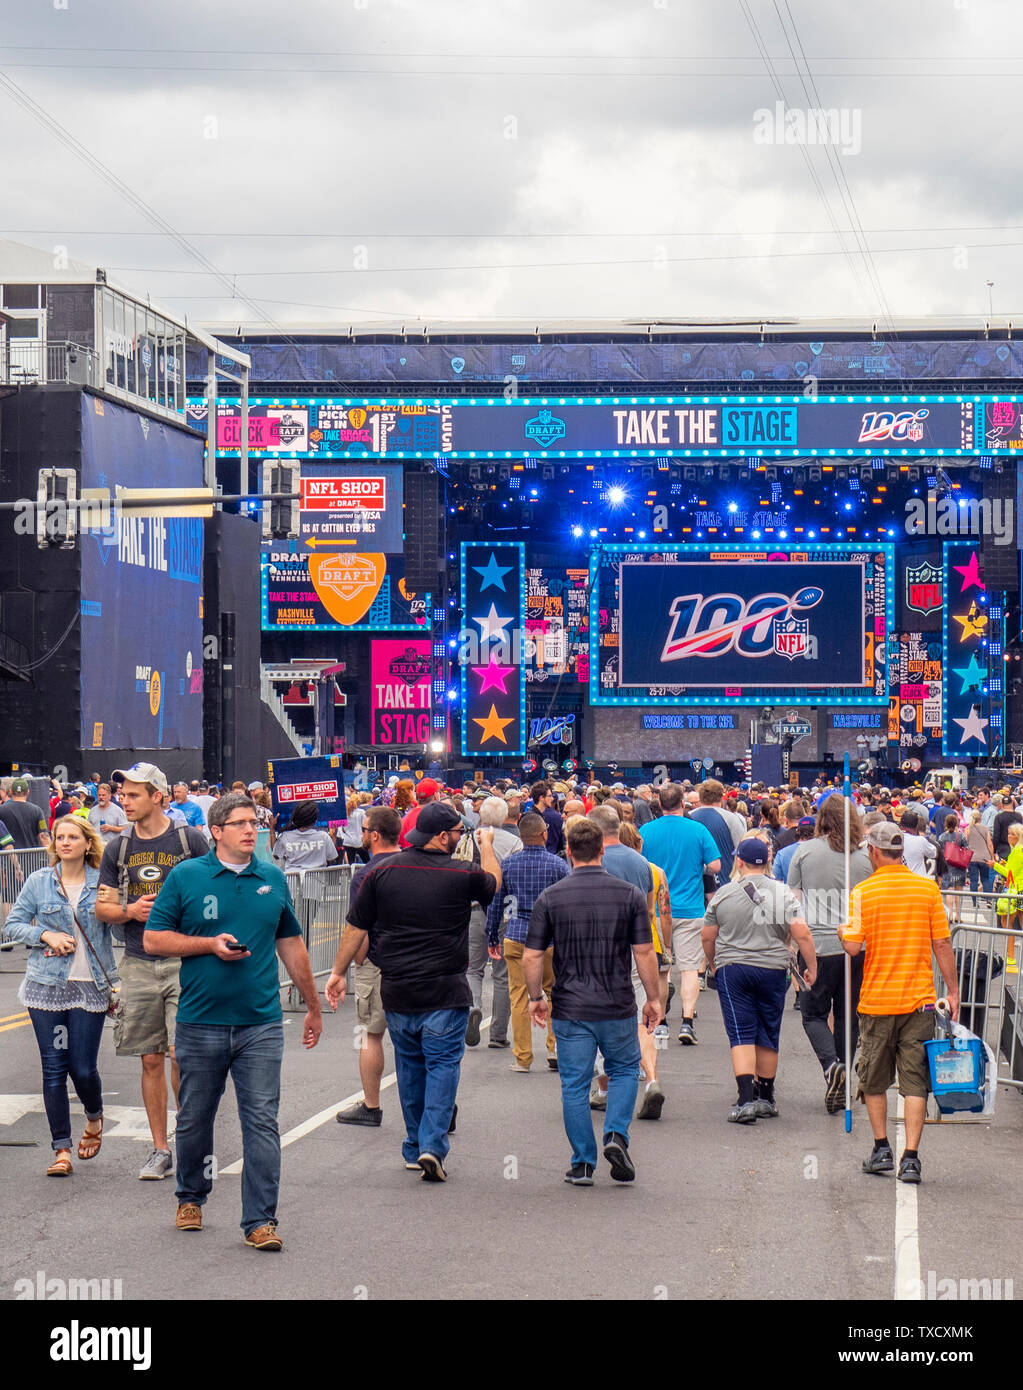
775 1210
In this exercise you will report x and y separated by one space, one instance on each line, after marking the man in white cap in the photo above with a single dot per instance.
133 870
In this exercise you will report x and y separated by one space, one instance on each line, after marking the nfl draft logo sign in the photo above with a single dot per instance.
923 588
545 428
347 584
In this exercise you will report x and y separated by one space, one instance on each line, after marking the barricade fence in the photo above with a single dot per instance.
985 948
15 867
320 898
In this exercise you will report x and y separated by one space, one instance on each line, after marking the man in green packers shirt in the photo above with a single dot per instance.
229 1018
131 873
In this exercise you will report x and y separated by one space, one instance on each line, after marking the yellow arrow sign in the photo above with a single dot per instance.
314 541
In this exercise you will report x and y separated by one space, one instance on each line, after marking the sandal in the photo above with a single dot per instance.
61 1166
89 1144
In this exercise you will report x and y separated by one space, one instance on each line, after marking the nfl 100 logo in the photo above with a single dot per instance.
923 588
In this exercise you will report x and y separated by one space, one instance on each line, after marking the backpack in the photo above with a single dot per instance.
467 849
122 854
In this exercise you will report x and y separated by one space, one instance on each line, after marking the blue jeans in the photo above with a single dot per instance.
68 1042
207 1054
578 1042
979 878
428 1052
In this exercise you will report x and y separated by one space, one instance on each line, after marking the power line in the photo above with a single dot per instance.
518 236
601 75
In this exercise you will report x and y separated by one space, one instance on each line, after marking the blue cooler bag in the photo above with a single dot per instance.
958 1067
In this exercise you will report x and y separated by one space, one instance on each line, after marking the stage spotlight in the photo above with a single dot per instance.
986 461
815 475
914 475
647 475
616 496
577 531
547 472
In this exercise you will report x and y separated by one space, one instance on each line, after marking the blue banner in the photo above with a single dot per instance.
293 780
705 427
142 646
966 653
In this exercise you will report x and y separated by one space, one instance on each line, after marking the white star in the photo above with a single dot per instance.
973 727
493 626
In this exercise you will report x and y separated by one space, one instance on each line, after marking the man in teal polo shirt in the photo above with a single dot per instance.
229 1014
685 850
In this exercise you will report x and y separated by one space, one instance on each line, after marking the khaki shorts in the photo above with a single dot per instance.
890 1042
369 1009
150 990
687 942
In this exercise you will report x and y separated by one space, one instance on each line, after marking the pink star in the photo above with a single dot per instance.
970 573
494 676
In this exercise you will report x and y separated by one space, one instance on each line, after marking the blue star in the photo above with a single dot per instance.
491 573
973 676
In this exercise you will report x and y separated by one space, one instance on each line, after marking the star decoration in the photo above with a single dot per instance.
494 676
492 726
970 573
973 623
493 625
972 675
492 573
973 727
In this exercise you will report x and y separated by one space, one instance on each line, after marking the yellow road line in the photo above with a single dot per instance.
23 1014
8 1026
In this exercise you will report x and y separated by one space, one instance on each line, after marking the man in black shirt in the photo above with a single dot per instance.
1008 815
23 818
414 908
597 924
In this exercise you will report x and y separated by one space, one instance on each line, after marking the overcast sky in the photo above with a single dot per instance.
363 160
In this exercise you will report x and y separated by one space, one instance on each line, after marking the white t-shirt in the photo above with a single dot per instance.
80 969
919 854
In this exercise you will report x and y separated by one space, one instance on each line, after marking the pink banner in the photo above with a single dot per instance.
400 695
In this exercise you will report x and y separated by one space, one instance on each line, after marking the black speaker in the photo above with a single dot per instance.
422 532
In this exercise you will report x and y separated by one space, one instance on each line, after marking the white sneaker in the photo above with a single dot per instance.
158 1165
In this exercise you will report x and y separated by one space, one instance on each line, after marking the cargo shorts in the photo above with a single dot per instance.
369 1008
890 1043
148 1011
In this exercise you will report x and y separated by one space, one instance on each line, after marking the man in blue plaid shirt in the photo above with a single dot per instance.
525 876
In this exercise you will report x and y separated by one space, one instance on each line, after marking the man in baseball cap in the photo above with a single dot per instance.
427 791
417 927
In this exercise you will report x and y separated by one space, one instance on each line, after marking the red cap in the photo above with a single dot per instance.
426 788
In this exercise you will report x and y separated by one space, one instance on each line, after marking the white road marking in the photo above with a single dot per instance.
908 1285
322 1116
119 1121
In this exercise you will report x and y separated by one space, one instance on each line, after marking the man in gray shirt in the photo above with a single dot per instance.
745 938
817 877
106 816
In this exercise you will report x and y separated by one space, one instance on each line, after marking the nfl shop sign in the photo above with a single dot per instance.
309 791
344 494
294 780
400 702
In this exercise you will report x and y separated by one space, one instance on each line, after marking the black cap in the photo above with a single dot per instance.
432 819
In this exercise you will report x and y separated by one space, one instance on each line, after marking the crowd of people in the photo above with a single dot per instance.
593 907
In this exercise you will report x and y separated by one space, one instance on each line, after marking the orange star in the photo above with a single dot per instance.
974 622
492 726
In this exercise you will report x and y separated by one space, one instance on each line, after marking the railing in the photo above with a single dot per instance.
28 362
990 1003
276 705
320 898
15 867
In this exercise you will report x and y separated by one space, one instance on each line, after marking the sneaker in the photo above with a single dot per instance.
743 1114
433 1169
411 1165
616 1151
766 1109
157 1165
189 1217
880 1161
265 1238
661 1031
687 1035
598 1098
909 1169
652 1103
552 1063
580 1175
834 1097
499 1042
472 1031
454 1117
360 1114
517 1066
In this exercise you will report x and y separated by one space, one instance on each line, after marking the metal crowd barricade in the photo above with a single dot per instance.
990 1003
15 867
320 898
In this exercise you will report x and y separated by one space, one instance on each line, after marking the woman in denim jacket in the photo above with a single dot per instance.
67 986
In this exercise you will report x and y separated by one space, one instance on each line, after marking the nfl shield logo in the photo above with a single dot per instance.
791 637
923 588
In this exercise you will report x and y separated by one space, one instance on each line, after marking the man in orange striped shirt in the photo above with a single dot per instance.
897 918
